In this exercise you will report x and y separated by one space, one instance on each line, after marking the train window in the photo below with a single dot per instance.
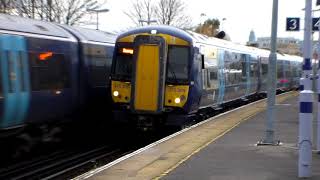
286 69
212 78
280 69
178 57
214 75
1 81
123 62
100 70
244 67
48 73
22 57
264 69
253 70
99 59
11 71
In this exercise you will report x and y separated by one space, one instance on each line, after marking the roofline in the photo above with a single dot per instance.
163 29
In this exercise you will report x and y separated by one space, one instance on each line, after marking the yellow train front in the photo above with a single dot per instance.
150 78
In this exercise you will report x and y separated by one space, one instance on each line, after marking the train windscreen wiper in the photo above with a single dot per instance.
173 73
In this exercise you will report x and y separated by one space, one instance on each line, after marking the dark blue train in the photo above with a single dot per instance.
47 70
162 74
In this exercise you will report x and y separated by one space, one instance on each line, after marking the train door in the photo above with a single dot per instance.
15 81
247 74
254 74
148 74
280 73
221 76
259 74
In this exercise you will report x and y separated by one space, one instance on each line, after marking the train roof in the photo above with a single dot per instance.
91 35
196 38
162 29
203 39
26 25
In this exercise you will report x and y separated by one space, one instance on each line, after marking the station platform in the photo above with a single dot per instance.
222 148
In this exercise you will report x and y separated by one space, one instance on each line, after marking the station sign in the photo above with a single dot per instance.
315 24
293 24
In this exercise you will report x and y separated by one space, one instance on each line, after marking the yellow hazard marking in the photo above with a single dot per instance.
161 159
173 92
123 90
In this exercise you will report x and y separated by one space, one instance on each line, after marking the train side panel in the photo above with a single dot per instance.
54 78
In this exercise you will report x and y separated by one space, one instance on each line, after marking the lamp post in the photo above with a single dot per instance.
98 11
306 100
202 20
223 19
147 21
272 79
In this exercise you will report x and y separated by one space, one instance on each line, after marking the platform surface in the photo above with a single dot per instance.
220 148
234 156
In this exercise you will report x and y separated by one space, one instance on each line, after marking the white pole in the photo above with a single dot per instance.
318 89
272 79
306 99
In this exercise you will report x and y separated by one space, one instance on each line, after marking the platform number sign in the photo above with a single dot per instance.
293 24
315 24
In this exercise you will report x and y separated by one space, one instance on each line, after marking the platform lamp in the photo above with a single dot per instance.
98 11
147 21
223 19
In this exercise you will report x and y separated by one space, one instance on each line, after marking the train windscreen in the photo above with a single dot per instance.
177 63
123 62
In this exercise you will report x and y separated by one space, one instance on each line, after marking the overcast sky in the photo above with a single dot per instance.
242 16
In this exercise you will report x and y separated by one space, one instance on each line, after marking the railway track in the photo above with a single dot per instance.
72 162
57 164
69 164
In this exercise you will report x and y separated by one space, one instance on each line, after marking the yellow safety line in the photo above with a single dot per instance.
216 138
203 146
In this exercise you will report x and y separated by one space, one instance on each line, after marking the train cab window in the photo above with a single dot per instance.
124 61
49 70
178 57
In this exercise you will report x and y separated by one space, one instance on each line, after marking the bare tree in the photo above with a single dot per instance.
172 12
75 10
5 6
61 11
142 10
209 27
27 8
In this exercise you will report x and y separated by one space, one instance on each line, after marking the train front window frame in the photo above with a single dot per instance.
177 71
123 62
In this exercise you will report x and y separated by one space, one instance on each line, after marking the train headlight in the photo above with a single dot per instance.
115 93
177 100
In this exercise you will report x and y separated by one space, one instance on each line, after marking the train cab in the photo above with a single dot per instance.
166 73
151 71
